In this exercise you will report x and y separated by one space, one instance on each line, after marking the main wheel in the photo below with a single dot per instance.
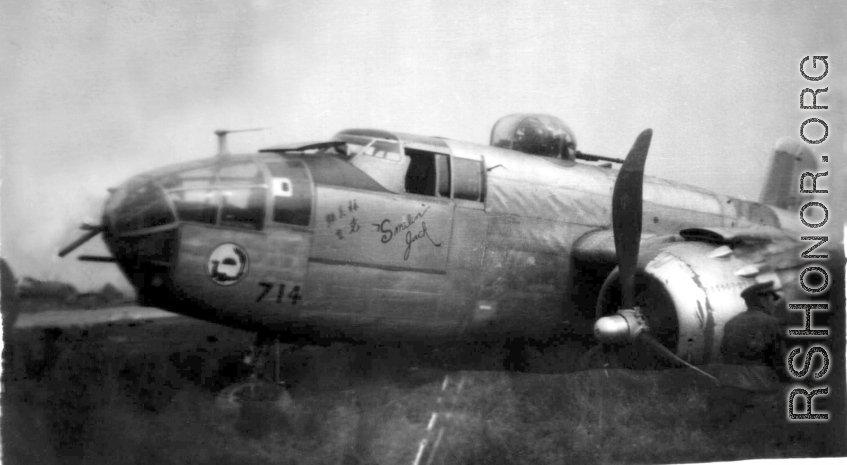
269 395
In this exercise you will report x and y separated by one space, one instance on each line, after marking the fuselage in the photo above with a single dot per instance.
384 235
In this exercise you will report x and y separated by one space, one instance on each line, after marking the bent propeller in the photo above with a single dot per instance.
629 324
626 214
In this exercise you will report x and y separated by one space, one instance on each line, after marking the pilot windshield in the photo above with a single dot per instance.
372 147
382 159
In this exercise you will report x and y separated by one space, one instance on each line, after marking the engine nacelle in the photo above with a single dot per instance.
688 291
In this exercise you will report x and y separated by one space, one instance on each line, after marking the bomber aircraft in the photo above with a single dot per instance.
379 235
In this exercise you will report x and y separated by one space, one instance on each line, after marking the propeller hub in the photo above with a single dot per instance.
612 328
623 326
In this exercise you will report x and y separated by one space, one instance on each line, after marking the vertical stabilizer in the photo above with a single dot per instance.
782 186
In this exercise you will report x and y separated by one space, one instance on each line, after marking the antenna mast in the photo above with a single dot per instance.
223 149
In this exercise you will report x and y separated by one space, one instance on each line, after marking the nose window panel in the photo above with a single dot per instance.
192 194
231 195
196 178
241 174
243 208
144 206
292 193
196 205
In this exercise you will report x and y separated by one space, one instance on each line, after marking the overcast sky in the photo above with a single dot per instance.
97 91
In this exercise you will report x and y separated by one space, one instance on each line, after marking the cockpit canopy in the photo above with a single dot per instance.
406 163
277 186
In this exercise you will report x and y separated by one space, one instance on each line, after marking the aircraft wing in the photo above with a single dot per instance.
599 246
752 235
88 318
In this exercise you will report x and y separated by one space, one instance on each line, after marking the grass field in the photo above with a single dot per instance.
146 394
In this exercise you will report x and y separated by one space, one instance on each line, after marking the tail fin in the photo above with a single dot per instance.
790 158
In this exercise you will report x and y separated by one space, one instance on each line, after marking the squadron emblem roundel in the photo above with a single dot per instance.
227 264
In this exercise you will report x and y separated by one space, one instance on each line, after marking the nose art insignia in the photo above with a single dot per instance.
227 264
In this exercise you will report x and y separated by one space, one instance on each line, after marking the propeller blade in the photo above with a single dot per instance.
627 209
82 240
667 352
626 214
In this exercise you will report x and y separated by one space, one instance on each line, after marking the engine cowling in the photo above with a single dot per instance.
687 292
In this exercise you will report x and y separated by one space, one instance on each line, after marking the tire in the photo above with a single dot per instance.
269 395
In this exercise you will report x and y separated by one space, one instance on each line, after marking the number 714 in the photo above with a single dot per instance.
267 290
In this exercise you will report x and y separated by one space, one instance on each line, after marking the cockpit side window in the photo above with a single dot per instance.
428 173
414 165
467 179
292 193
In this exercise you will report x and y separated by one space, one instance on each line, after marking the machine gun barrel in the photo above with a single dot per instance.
590 157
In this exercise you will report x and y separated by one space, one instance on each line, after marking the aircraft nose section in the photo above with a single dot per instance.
141 233
136 206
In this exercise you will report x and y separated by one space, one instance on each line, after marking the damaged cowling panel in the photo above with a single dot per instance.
688 290
686 296
735 235
706 293
765 253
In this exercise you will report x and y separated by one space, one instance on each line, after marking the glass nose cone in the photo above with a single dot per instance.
138 206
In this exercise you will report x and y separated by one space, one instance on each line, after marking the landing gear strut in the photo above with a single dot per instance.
264 386
267 346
